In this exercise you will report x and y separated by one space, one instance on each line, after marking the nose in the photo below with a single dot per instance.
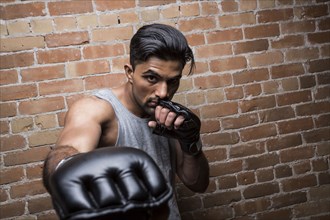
162 90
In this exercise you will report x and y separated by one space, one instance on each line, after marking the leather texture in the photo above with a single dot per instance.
188 132
108 183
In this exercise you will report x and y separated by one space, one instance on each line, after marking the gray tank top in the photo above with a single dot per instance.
135 132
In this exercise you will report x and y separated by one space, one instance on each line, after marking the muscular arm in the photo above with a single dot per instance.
81 132
193 171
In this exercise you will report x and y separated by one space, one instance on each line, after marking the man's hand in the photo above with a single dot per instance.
108 183
176 121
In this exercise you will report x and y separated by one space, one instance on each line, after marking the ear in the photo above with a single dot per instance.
129 72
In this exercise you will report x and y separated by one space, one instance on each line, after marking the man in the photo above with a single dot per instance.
139 114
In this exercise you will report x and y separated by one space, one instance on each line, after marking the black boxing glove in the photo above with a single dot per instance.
108 183
188 133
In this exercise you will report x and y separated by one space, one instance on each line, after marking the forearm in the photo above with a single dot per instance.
54 157
193 171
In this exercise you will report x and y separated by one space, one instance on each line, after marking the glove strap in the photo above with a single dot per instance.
193 149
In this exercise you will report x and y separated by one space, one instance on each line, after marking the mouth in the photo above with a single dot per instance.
153 103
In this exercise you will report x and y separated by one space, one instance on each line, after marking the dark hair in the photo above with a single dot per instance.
161 41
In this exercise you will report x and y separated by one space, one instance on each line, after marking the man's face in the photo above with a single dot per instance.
153 80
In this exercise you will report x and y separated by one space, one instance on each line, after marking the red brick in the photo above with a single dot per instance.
15 11
220 139
276 114
252 90
58 55
294 97
314 11
247 76
283 171
210 126
302 54
284 142
290 126
224 36
199 23
87 67
302 167
102 5
42 73
12 142
234 93
319 65
229 6
265 160
322 121
69 7
298 182
262 31
259 132
18 92
195 39
319 37
30 188
222 198
324 24
324 178
247 150
21 43
323 79
227 64
307 81
104 81
218 110
215 154
266 16
8 77
246 178
223 168
227 182
214 81
9 175
265 59
298 153
299 26
13 209
320 165
67 39
26 156
3 196
34 171
288 41
112 34
271 87
209 8
322 93
257 103
100 51
251 46
239 122
264 175
259 190
276 214
213 50
317 135
232 20
7 109
16 60
41 105
4 127
312 108
287 70
63 86
250 207
36 205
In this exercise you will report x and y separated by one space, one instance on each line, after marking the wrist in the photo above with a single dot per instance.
192 148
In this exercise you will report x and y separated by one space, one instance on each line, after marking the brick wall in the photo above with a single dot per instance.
261 88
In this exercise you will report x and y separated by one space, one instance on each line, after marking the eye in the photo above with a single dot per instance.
151 79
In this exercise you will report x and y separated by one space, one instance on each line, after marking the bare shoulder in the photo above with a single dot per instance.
91 107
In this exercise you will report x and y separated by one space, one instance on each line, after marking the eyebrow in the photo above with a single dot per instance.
159 76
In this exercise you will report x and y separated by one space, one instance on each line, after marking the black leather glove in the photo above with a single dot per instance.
188 133
108 183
